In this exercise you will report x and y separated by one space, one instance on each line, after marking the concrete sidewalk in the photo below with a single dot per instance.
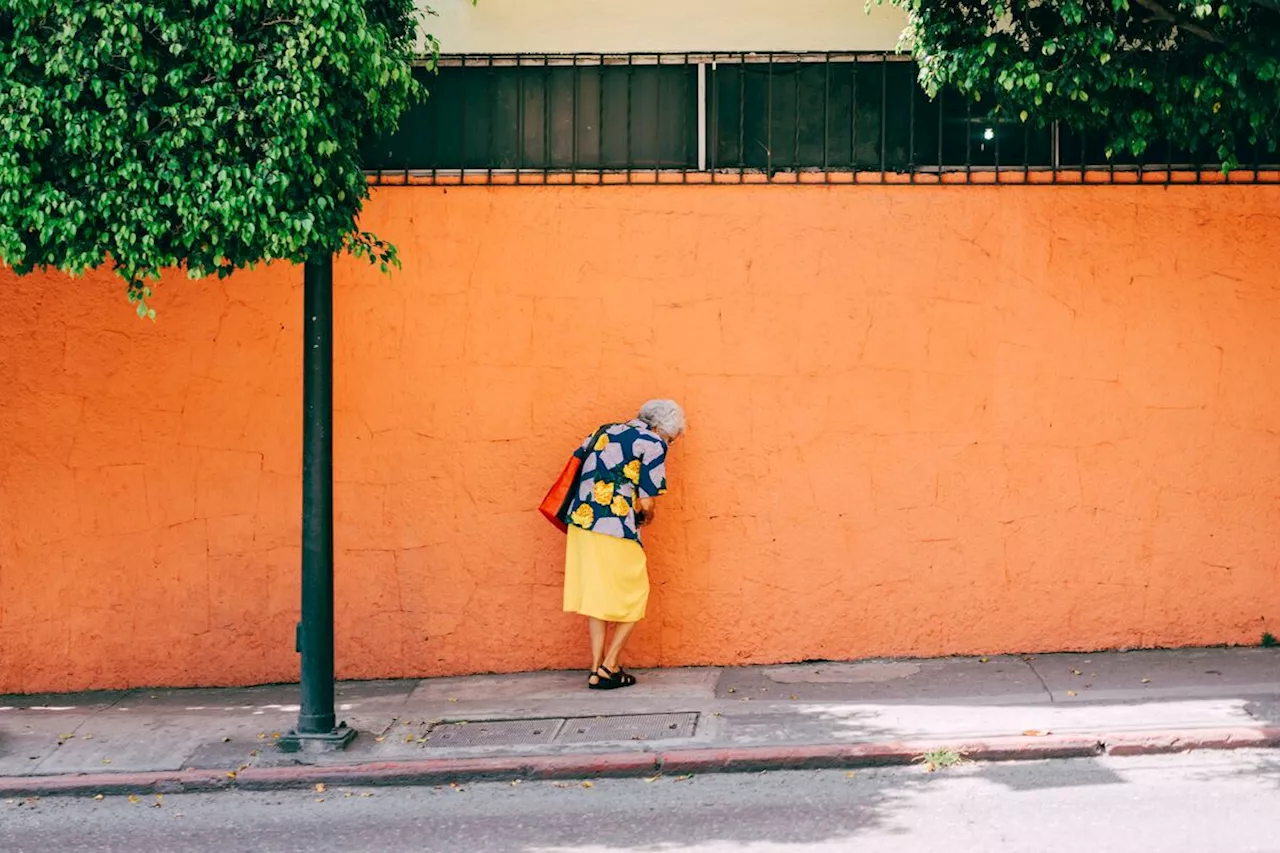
547 725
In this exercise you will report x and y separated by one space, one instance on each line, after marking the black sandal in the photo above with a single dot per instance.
611 680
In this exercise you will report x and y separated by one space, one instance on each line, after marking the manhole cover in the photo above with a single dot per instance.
492 733
630 727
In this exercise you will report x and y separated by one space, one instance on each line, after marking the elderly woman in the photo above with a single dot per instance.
606 577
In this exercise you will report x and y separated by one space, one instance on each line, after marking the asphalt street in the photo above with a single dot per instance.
1210 801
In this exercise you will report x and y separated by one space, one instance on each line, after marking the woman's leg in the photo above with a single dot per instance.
597 627
621 632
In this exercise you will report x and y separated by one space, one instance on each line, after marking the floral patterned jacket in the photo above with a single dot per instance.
626 463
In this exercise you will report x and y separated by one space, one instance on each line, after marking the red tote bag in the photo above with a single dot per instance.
555 506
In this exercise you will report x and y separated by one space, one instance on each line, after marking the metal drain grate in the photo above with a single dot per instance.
492 733
630 727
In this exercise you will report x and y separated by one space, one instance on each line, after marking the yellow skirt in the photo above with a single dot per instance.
605 577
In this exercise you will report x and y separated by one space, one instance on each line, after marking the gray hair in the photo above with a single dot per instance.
664 415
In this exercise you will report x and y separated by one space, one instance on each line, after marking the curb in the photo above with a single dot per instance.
444 771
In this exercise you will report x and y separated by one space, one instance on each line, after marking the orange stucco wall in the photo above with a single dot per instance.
924 421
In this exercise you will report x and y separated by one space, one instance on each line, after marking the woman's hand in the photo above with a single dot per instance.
644 512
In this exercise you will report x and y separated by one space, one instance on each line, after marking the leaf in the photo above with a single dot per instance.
226 740
98 796
588 784
1146 681
320 788
1071 693
106 761
134 799
1034 733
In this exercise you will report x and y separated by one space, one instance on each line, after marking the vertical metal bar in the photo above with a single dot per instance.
968 140
1055 147
742 117
995 126
1026 153
884 117
702 116
768 122
315 631
575 81
942 108
520 123
795 147
435 139
600 120
826 118
547 161
911 135
714 121
493 106
657 119
462 162
684 121
630 75
853 117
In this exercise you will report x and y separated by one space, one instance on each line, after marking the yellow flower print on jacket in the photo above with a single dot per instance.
584 516
632 471
621 507
601 443
603 493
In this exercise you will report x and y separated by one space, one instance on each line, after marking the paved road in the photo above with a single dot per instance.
1199 802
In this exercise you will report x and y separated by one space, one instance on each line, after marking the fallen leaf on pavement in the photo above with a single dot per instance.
319 799
379 739
1146 681
652 778
106 761
366 793
1075 672
255 753
588 784
793 697
275 735
850 774
1034 733
983 660
409 738
684 778
231 774
66 737
1071 693
98 797
515 782
226 740
320 788
262 735
133 799
733 690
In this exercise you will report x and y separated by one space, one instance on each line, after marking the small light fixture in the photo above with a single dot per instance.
989 134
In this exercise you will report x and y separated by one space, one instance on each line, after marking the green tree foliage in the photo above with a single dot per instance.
204 134
1196 75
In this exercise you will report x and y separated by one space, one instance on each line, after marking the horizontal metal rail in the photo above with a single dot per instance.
696 118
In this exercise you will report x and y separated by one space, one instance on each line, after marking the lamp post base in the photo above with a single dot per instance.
334 740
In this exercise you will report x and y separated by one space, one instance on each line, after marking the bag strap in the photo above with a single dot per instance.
591 443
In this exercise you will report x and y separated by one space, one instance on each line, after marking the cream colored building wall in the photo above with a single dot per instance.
613 26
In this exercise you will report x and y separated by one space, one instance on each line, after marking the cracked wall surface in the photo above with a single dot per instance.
924 421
